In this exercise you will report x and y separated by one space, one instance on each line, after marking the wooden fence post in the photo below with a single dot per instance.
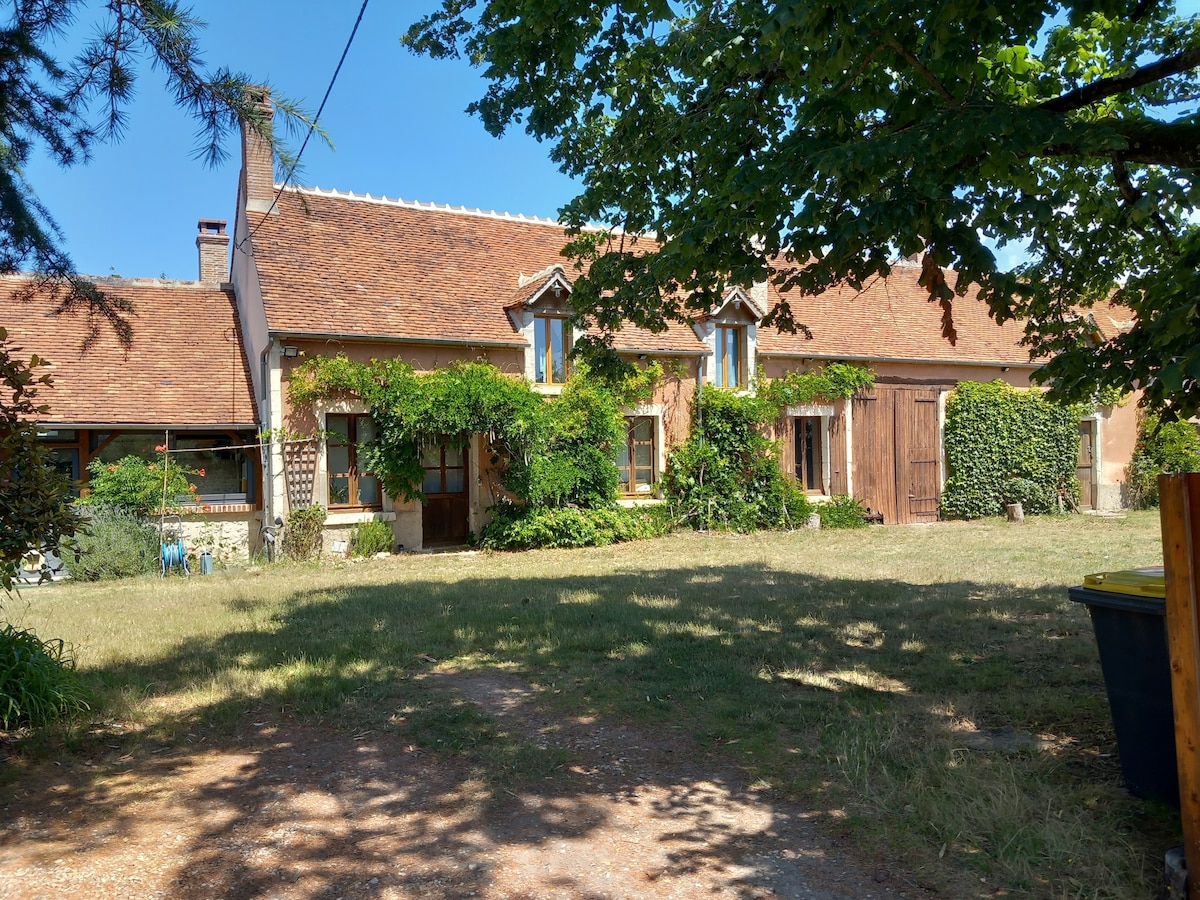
1179 506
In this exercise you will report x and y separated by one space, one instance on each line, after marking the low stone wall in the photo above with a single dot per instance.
226 535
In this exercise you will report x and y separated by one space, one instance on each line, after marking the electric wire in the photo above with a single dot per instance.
312 126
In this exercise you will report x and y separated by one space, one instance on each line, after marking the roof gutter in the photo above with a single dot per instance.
988 363
343 338
149 426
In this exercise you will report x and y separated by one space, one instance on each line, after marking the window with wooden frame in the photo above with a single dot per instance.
728 359
551 344
66 453
810 459
350 488
445 469
636 458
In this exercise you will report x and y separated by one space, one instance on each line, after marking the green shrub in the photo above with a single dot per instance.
842 512
301 538
38 683
369 538
1033 497
1161 447
726 475
996 435
139 486
115 544
517 528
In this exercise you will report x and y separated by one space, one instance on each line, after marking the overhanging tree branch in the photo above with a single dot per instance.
1119 84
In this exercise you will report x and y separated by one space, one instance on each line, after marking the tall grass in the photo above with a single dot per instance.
931 688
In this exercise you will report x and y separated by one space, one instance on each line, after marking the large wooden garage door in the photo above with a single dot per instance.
897 453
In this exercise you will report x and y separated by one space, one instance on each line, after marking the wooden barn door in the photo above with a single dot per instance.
897 453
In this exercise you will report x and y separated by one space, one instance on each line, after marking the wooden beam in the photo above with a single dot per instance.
1179 506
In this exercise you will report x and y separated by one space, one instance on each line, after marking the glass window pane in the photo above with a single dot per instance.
454 456
58 435
339 491
339 459
454 481
643 429
539 350
623 457
366 429
558 332
642 456
431 456
735 356
340 426
719 361
433 481
368 490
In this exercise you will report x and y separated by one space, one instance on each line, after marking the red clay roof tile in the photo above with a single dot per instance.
185 366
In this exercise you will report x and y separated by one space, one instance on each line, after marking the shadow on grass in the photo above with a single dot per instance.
864 699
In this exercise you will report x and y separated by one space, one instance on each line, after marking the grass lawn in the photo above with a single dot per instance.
929 688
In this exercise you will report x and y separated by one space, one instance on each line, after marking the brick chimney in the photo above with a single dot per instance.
213 244
258 164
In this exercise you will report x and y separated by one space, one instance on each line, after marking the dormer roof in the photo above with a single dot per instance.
550 284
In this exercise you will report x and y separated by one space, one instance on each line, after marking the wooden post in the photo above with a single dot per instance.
1179 506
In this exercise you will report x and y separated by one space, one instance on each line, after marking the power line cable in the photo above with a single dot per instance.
313 126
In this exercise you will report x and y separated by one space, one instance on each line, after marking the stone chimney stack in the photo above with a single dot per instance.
258 163
213 244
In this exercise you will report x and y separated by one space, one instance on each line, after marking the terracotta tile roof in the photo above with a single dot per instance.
894 319
185 366
343 264
332 263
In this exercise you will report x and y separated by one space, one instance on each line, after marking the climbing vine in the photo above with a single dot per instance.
550 451
836 381
1005 444
727 475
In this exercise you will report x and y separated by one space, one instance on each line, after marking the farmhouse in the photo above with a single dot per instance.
320 273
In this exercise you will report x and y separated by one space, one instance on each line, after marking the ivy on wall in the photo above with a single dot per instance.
834 381
727 475
1005 444
551 451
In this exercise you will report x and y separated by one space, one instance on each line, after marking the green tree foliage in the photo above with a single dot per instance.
815 143
1005 444
1161 447
35 497
726 475
65 106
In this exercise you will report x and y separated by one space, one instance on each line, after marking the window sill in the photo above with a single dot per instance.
356 516
203 509
550 390
635 502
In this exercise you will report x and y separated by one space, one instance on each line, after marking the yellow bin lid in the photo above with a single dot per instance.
1145 582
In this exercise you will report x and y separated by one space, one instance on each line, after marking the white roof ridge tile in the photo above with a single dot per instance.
436 207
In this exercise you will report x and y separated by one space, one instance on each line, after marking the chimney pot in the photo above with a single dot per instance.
212 243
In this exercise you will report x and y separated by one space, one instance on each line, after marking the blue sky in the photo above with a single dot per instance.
397 122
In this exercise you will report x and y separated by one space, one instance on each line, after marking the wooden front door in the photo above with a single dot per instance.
897 453
1084 469
445 518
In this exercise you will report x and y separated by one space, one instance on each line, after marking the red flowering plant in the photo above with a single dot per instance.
143 487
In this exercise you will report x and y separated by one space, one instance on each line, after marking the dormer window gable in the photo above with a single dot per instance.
738 305
540 312
730 332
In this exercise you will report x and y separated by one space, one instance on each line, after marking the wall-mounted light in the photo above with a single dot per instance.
642 356
290 351
1004 368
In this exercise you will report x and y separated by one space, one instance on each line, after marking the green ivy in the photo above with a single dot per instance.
550 451
836 381
516 528
1001 441
727 475
1161 447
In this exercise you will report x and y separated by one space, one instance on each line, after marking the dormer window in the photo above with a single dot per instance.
551 345
729 356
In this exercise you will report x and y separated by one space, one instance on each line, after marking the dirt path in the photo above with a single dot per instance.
289 811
